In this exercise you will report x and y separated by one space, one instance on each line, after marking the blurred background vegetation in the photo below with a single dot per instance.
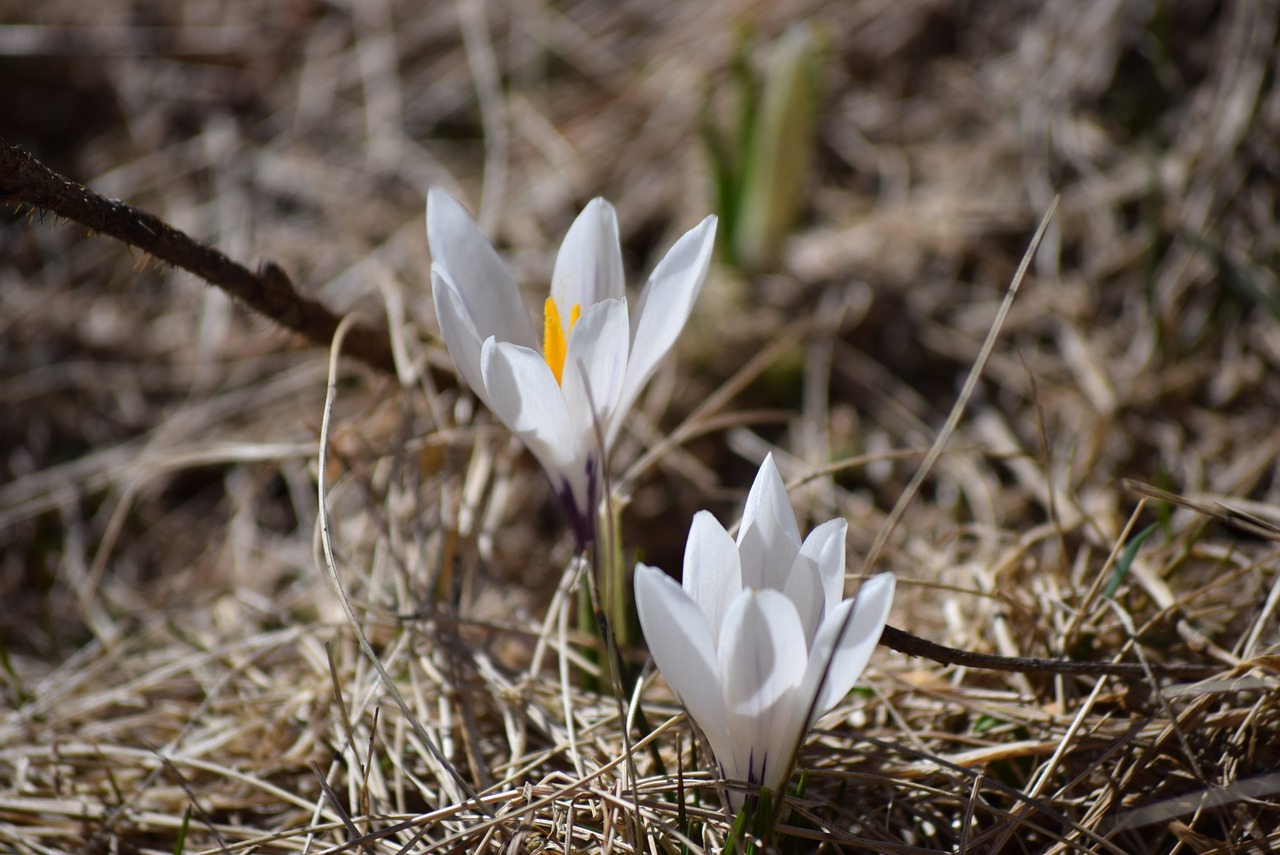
158 576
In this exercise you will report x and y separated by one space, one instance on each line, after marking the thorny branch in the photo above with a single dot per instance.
269 292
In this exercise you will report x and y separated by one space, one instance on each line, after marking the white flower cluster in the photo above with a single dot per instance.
757 641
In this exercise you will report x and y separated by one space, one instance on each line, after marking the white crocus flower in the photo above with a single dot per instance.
593 349
757 642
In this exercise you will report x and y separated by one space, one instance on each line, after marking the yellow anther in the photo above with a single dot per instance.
555 336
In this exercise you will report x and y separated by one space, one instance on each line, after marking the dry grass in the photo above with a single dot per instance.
175 654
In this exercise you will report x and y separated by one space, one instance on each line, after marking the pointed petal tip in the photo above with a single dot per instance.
826 546
588 265
436 195
875 599
769 506
770 465
705 232
649 579
880 589
768 482
442 210
710 220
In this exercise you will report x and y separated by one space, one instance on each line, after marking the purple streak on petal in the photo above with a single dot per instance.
581 519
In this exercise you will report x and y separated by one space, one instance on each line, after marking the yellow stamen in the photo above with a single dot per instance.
555 337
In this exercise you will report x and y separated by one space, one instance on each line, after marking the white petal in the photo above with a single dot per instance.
768 505
459 333
766 557
712 575
484 284
803 587
680 642
524 394
769 538
825 545
762 662
664 305
599 344
589 264
842 661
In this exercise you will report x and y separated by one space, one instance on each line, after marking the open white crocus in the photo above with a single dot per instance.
594 351
757 642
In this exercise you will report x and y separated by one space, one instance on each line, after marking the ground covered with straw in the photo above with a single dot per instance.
180 671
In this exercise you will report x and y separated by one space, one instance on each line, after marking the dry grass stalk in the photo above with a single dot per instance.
172 642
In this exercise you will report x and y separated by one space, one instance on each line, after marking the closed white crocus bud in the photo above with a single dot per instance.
594 350
757 642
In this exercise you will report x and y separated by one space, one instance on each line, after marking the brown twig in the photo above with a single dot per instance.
269 292
913 645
